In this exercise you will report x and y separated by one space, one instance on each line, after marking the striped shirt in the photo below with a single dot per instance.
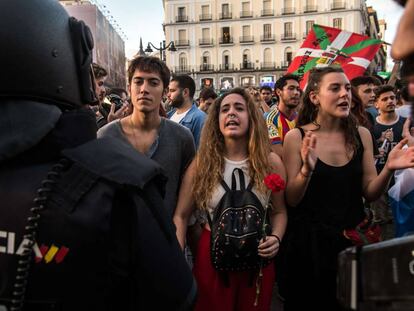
278 125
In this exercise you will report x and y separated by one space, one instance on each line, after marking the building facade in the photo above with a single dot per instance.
377 29
109 50
227 43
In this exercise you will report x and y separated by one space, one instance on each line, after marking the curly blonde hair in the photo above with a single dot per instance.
210 155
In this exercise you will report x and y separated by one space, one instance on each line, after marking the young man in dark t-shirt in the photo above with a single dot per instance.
388 125
387 130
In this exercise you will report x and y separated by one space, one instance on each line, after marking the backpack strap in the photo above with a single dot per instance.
224 185
241 179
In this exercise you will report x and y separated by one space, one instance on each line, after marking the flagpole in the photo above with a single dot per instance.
394 73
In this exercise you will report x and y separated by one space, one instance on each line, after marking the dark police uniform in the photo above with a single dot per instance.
104 240
82 221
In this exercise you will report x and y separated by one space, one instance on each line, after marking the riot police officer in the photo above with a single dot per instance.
82 223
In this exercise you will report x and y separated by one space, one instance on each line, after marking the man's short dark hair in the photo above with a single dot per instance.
383 89
99 71
404 93
265 87
149 64
185 82
207 93
361 80
282 81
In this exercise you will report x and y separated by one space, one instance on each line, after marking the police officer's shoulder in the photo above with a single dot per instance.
115 160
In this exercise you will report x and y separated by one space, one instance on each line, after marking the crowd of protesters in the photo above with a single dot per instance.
166 161
340 142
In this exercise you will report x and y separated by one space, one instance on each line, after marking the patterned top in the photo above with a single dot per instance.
278 125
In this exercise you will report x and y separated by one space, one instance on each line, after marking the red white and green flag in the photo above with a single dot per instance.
326 45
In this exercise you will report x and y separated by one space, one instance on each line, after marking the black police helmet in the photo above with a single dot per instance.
46 55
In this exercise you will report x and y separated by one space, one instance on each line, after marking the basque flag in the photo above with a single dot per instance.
324 46
401 196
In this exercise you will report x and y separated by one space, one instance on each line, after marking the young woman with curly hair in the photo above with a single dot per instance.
234 136
330 169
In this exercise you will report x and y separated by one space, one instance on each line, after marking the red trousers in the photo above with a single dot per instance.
238 294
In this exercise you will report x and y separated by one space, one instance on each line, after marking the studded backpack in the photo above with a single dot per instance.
236 228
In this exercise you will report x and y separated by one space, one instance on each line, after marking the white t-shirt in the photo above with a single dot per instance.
219 191
404 111
178 117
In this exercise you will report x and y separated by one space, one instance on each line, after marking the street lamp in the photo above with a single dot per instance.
170 47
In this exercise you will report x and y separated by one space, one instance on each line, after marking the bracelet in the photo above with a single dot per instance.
306 176
277 237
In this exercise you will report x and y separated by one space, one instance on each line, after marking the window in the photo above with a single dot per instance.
309 25
226 35
267 31
206 58
288 4
288 55
205 33
182 35
226 60
181 11
288 30
246 31
225 9
246 12
205 61
267 56
182 62
246 59
267 5
337 23
245 6
205 10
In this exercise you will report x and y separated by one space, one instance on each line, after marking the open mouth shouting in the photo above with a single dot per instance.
232 123
344 105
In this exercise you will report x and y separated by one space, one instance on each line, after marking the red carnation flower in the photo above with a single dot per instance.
274 182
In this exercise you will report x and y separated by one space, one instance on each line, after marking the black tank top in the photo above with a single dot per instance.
333 199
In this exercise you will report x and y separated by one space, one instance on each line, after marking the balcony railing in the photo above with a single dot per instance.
182 69
267 13
288 37
246 66
182 43
310 8
205 41
338 5
206 67
226 40
268 65
181 19
226 15
244 14
268 38
246 39
226 67
285 64
206 17
286 11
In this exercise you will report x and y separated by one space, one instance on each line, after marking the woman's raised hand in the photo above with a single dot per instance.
308 152
399 158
